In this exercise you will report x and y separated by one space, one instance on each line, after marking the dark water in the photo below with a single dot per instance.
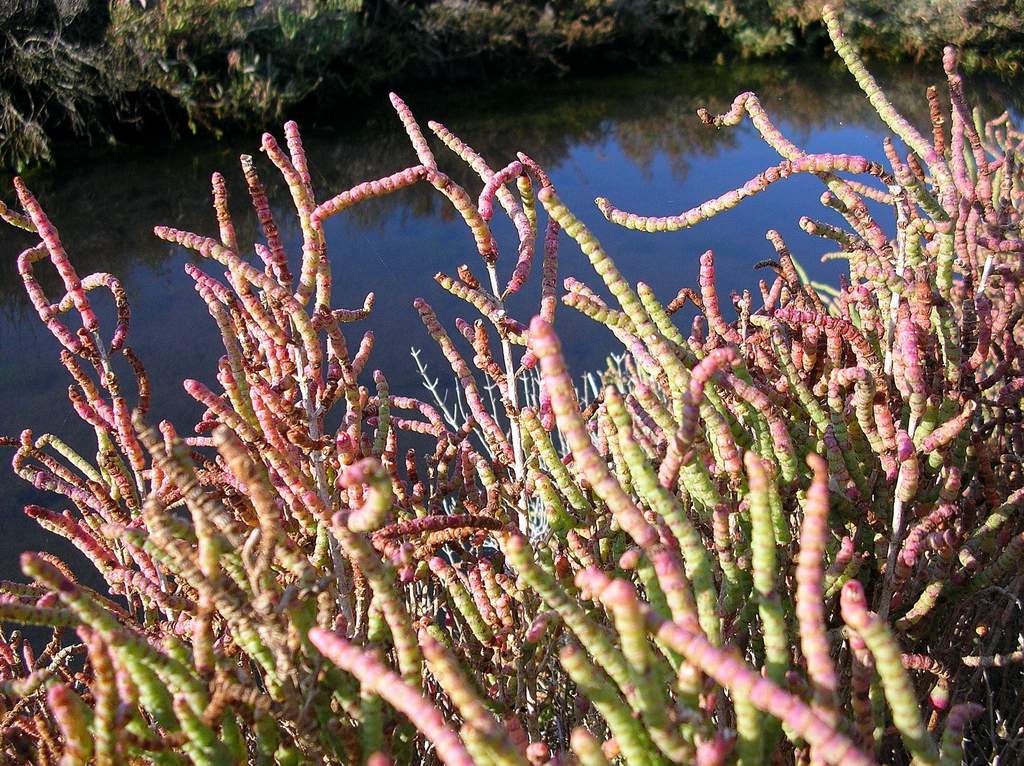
634 139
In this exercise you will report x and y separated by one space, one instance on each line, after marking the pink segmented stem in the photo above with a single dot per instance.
748 103
273 251
117 291
72 529
47 313
312 232
719 359
865 353
375 677
497 180
51 240
944 435
221 408
534 167
810 594
412 128
220 206
368 190
527 250
298 153
210 248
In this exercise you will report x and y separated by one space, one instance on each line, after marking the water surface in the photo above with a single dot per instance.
634 139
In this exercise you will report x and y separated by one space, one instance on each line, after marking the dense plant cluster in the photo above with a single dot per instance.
93 66
768 539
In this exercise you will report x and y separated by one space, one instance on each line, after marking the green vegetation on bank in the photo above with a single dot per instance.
90 67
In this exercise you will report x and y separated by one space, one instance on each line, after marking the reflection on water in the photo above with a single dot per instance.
633 138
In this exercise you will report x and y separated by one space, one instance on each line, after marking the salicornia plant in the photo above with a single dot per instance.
762 541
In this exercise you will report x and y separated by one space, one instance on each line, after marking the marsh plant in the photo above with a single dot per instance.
789 532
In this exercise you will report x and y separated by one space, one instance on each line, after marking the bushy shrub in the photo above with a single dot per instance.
989 32
770 539
53 75
232 61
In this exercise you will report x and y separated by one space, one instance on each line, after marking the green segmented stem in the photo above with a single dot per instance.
765 568
381 577
698 564
201 745
589 633
588 461
896 122
371 729
404 697
467 700
899 690
587 748
765 564
462 599
634 742
652 700
72 717
952 750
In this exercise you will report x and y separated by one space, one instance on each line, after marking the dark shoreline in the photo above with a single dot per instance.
124 74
